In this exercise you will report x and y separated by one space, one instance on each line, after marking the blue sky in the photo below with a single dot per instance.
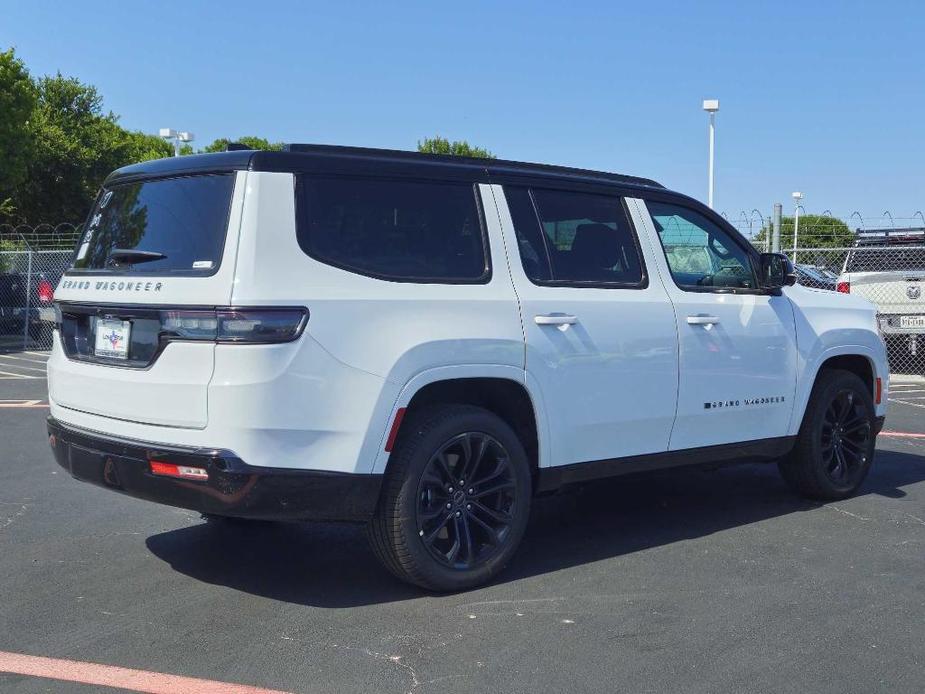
823 97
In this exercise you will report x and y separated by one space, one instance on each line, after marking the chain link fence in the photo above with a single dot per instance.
32 260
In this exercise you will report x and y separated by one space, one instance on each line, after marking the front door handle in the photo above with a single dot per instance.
561 320
702 320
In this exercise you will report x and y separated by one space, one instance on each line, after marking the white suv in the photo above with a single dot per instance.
424 343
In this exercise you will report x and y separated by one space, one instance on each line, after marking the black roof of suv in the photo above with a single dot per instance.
332 159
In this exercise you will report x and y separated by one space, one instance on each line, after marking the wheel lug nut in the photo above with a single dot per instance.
458 514
470 491
451 490
462 482
449 505
468 507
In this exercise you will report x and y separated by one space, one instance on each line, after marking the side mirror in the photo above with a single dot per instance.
776 271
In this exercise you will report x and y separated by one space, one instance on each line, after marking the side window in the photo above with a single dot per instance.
393 229
575 238
701 255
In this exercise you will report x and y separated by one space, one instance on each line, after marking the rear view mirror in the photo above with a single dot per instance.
776 271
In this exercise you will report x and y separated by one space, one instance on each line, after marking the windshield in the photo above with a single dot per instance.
172 225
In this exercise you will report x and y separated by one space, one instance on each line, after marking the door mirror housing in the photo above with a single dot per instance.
776 271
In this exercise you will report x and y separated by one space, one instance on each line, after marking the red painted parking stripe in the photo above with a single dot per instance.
119 677
903 434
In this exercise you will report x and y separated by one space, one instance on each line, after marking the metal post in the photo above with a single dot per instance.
25 330
775 236
712 137
176 146
796 230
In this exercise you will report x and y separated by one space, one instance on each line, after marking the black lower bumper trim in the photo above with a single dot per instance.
233 487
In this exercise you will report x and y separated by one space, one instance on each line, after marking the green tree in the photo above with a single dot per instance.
17 102
461 148
253 142
74 146
816 231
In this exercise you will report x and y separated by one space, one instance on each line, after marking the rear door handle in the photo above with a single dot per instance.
702 320
559 319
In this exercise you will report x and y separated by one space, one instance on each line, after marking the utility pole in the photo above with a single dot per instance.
775 237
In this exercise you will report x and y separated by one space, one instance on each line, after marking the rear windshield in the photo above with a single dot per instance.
896 257
171 225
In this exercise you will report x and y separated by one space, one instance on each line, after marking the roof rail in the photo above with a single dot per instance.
489 164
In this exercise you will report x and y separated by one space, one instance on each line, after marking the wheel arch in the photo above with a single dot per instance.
854 358
499 389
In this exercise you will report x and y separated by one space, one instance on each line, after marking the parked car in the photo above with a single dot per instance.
817 278
424 343
16 310
888 269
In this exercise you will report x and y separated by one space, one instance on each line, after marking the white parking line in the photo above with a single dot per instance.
24 368
16 358
13 375
38 354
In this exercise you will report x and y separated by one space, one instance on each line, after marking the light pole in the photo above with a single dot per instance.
797 196
177 137
711 106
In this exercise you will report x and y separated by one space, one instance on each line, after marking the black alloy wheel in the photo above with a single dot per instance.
455 498
845 440
466 500
834 448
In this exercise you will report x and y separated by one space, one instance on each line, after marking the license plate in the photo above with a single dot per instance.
112 338
912 321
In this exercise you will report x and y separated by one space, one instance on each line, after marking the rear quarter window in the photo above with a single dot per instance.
406 231
170 225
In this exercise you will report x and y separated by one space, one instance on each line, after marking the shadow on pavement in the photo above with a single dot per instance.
330 565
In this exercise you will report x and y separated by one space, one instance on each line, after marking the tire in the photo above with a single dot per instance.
835 445
420 527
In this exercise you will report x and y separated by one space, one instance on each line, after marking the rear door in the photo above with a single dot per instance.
601 342
151 247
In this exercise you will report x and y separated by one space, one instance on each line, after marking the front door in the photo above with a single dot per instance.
601 341
738 355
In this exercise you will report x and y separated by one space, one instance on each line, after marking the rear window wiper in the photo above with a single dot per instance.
131 256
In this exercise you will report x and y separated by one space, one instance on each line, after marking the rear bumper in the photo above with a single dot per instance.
233 487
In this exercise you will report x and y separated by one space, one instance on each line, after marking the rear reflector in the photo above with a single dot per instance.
879 393
185 472
393 432
843 287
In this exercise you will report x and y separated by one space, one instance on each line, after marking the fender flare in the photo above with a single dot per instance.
383 425
811 373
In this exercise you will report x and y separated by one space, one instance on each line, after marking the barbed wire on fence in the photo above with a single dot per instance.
42 237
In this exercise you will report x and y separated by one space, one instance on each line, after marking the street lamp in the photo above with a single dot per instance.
797 196
711 106
177 137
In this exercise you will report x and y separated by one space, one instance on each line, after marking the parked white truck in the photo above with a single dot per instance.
423 343
888 269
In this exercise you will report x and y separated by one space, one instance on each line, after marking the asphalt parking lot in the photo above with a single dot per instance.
688 580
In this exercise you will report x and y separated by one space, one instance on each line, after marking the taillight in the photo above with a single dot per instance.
843 287
46 292
235 325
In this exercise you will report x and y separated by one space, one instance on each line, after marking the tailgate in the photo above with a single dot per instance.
892 292
153 249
